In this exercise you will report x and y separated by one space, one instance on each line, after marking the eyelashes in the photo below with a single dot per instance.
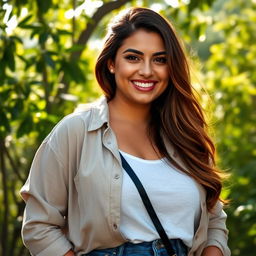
131 57
134 58
162 60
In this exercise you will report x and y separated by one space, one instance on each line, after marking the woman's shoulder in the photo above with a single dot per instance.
72 123
80 117
88 107
86 117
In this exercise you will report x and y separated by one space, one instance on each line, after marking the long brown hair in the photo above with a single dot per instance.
176 116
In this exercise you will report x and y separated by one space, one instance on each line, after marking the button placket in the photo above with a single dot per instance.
110 143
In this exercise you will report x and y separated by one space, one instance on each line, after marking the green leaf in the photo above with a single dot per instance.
75 48
64 32
25 20
43 37
17 109
5 126
55 37
4 95
16 38
72 71
40 65
35 26
43 6
48 59
25 127
8 55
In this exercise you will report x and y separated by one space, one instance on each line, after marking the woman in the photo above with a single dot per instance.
79 200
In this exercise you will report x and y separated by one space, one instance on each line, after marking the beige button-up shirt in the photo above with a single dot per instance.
73 191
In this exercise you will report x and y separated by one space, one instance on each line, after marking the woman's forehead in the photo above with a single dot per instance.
143 41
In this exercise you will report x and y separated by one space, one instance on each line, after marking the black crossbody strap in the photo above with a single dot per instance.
148 207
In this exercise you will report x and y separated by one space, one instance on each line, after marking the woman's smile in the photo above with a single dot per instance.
144 85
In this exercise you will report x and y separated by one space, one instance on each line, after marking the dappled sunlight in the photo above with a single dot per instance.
88 7
10 21
47 60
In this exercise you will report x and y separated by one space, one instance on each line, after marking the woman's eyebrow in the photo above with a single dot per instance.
141 53
159 53
134 51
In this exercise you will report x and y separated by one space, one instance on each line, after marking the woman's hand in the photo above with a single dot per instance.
212 251
70 253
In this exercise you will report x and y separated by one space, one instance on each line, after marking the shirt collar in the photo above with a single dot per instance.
99 114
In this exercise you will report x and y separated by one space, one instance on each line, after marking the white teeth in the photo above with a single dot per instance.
144 85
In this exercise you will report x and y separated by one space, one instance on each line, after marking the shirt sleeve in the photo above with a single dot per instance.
217 231
45 193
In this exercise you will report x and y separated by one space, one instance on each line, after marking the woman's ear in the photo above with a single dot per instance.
111 67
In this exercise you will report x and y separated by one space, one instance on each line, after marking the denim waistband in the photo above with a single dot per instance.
154 248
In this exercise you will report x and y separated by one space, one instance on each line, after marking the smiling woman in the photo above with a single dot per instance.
140 69
150 119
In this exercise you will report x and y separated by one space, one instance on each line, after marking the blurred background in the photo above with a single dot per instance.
48 50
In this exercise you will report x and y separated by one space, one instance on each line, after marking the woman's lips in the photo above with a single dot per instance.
145 85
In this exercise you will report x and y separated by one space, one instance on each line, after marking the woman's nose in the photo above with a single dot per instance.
145 69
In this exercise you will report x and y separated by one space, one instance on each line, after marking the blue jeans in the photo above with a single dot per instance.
154 248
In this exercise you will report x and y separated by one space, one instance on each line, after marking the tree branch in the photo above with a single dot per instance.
85 35
73 23
4 231
96 18
44 66
13 165
16 230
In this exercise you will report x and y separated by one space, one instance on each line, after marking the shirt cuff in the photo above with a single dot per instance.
58 248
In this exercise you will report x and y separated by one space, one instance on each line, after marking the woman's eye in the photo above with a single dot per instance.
161 60
131 58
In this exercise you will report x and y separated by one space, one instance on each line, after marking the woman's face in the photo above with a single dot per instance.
140 68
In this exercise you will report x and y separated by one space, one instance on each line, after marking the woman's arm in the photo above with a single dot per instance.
217 232
212 251
70 253
45 194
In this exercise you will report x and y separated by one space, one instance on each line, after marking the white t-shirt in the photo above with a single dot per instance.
173 194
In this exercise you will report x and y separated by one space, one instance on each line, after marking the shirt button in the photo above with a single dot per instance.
117 176
109 142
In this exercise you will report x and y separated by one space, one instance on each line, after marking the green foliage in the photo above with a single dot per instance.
223 37
230 72
45 71
38 82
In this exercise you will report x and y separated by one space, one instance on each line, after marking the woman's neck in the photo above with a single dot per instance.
133 113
